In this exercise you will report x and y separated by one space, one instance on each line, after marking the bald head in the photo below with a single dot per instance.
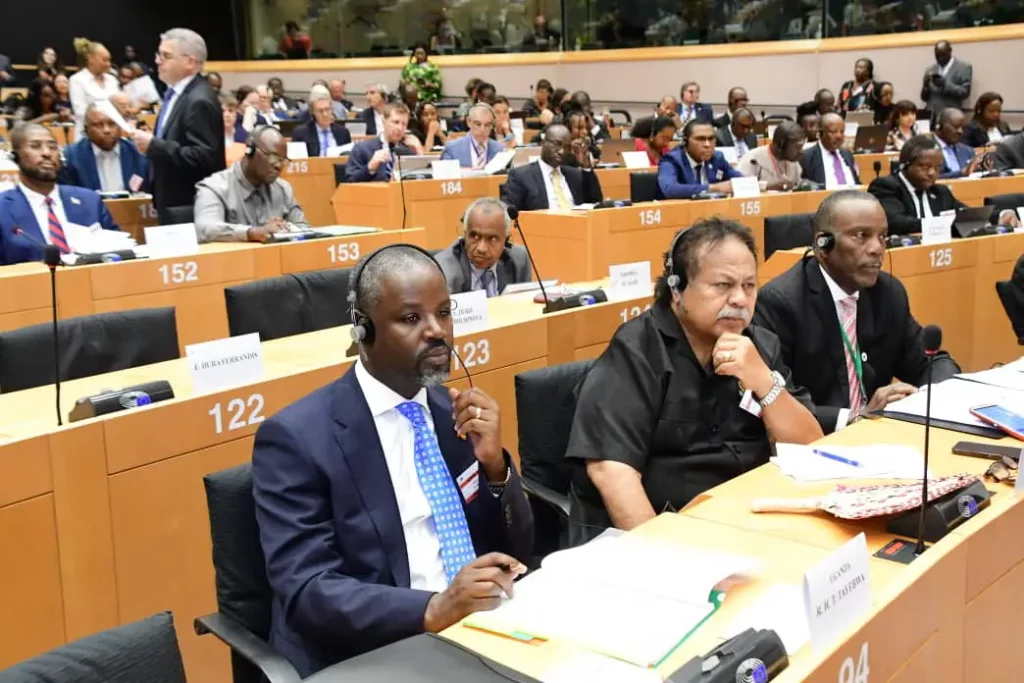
833 130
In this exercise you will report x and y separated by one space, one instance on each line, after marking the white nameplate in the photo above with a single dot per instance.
837 592
636 160
850 130
446 169
163 241
745 187
937 229
629 280
297 150
223 363
469 311
730 154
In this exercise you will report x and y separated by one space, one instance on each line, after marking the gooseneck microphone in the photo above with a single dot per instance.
877 166
932 338
513 213
451 348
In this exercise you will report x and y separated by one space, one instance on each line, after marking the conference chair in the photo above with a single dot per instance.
643 186
787 232
176 215
1001 202
545 407
89 345
339 173
290 304
144 651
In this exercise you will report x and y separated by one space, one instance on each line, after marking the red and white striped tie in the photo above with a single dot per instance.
849 309
57 236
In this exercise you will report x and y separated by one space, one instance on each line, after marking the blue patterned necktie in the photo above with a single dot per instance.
168 96
487 282
442 494
951 160
324 144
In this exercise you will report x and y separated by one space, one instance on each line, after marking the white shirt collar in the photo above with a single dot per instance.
838 294
36 199
97 152
910 188
546 168
825 153
693 162
379 397
180 86
942 143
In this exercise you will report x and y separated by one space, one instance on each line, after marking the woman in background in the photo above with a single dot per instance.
541 99
93 83
560 96
901 125
423 74
884 96
42 105
579 124
654 136
49 64
858 94
426 126
987 127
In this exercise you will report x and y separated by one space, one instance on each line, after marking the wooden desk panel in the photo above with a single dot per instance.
866 165
134 214
25 297
340 252
614 182
566 246
25 470
992 629
973 192
313 183
994 339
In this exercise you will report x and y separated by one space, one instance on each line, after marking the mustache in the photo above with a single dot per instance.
738 313
431 347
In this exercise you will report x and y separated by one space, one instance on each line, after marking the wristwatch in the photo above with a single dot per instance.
778 386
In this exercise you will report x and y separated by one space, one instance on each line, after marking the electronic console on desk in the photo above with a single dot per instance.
751 657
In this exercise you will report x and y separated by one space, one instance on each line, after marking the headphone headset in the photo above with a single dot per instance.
674 280
362 331
825 241
14 156
250 144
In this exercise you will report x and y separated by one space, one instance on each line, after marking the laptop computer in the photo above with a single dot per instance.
288 126
356 127
971 219
870 139
861 118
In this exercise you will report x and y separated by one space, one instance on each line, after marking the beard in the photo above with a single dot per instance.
39 174
428 374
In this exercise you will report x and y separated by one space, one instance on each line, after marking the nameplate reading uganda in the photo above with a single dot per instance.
469 312
837 592
223 363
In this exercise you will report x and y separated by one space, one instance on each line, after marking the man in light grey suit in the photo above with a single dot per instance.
484 258
947 83
477 148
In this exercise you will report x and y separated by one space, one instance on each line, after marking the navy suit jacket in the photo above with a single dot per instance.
81 206
367 117
310 134
356 170
461 149
964 155
80 164
702 112
678 180
331 531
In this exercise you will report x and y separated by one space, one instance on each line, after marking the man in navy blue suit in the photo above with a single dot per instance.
321 132
38 210
477 148
695 166
690 108
370 160
957 158
103 160
386 504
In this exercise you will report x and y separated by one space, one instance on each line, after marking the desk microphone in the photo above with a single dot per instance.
932 338
877 166
513 213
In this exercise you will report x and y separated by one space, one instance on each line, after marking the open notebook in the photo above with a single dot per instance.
628 597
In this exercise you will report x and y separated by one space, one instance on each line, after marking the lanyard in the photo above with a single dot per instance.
775 165
855 354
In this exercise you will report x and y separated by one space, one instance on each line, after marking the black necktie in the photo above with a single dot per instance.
700 179
920 203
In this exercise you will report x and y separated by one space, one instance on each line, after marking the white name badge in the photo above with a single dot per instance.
446 169
469 482
630 280
223 363
164 241
469 311
937 229
837 592
745 187
298 150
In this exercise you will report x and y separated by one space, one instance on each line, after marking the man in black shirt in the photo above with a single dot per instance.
687 395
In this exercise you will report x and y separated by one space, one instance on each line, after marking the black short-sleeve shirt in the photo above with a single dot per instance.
647 402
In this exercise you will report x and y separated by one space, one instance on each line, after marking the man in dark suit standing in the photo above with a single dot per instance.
550 184
739 133
1009 155
188 143
484 258
385 502
947 82
371 160
102 160
695 166
321 132
845 325
958 159
827 163
736 99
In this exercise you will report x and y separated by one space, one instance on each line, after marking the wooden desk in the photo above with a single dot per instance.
134 214
866 165
313 182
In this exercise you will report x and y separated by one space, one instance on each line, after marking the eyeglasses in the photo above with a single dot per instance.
1004 469
481 124
165 56
274 159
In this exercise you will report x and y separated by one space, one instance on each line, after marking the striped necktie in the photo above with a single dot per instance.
57 236
849 309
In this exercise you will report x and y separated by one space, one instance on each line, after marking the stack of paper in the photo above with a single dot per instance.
93 239
953 399
1009 376
878 461
627 597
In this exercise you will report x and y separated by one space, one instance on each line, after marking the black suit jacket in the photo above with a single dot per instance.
309 134
722 121
813 164
976 136
1009 154
367 117
525 188
724 138
190 147
901 208
357 169
798 307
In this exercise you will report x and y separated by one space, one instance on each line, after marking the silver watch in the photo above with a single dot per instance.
778 386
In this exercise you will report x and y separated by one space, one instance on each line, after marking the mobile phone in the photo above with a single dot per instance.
1005 419
985 450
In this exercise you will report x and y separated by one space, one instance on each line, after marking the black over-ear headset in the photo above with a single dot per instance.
250 144
362 327
674 280
825 241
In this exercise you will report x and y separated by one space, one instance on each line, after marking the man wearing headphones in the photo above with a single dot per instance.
844 324
385 502
687 395
249 201
695 167
484 257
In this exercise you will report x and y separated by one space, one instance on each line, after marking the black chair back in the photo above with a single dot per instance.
145 650
545 408
339 173
290 304
1002 202
1012 299
243 592
175 215
89 345
787 232
643 186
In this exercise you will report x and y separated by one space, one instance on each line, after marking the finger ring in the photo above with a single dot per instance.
478 412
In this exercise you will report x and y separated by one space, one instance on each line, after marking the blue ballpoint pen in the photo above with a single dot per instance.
837 458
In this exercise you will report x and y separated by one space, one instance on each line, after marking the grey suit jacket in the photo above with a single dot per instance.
956 89
513 267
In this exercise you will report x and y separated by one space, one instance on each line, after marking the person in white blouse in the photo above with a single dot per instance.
91 84
139 86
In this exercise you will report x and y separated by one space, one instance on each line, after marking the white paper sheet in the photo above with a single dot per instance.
953 399
107 108
878 461
780 608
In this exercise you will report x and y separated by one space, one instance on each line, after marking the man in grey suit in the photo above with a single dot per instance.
947 83
484 258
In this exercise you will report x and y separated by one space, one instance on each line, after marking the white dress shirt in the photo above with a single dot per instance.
397 440
108 166
838 295
545 171
943 70
39 209
702 177
378 118
143 90
178 89
922 206
830 171
84 91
